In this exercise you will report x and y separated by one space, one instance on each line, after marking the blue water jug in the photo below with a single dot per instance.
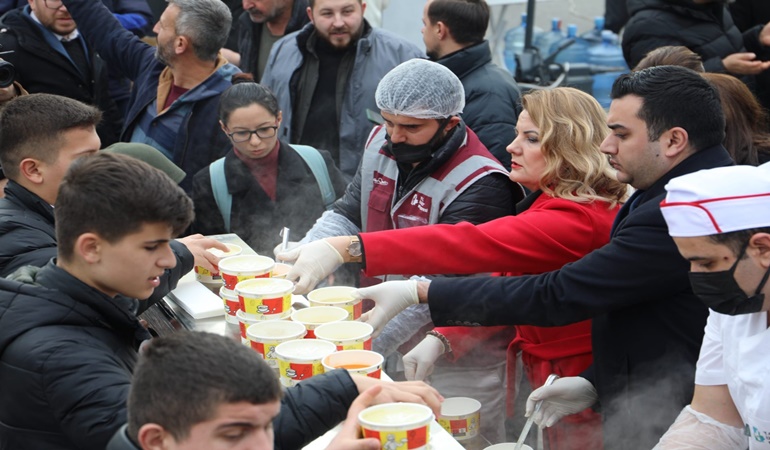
595 36
608 63
514 43
575 53
545 41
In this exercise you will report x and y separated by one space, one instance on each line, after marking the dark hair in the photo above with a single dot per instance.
674 96
745 119
737 240
311 3
467 20
31 126
182 378
114 195
245 92
672 55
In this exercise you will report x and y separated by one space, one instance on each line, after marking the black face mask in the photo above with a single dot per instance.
720 292
409 154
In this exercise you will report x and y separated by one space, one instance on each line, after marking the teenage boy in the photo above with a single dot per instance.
203 391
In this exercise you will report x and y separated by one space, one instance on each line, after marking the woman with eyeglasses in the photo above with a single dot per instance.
271 185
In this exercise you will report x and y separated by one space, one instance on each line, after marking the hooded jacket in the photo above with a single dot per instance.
67 351
199 140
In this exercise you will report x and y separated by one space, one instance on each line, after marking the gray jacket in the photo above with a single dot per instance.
377 52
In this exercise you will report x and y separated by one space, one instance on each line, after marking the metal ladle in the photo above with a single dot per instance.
549 381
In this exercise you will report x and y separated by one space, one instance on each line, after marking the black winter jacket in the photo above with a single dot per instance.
255 218
492 98
41 68
706 29
66 356
647 324
308 410
28 237
250 33
488 198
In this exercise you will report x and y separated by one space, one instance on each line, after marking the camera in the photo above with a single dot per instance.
7 74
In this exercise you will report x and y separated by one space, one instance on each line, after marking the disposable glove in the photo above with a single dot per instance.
419 362
312 263
565 396
694 430
390 298
291 245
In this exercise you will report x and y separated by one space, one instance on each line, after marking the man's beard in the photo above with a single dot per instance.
163 55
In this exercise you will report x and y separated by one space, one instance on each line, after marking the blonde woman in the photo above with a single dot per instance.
574 200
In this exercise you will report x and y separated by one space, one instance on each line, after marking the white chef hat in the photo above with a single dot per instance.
718 201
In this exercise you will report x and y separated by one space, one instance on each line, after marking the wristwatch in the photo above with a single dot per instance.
354 249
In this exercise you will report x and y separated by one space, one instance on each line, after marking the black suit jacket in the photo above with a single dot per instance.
647 323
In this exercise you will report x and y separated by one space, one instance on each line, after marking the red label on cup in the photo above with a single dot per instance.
310 334
376 374
271 305
368 344
417 438
357 310
243 329
232 307
230 281
259 347
299 372
459 427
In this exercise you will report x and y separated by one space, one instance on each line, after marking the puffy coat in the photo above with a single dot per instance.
250 34
67 351
492 98
43 65
706 29
377 52
28 237
200 140
255 217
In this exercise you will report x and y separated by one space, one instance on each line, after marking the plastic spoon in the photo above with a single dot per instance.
528 425
285 241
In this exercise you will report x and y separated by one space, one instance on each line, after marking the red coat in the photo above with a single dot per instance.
549 234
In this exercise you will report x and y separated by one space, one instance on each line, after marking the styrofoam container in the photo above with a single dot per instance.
230 299
266 336
266 297
341 296
460 417
362 362
347 335
314 317
300 359
398 425
243 267
206 276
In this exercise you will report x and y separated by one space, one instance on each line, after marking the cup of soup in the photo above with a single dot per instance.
265 298
280 270
204 275
460 417
347 335
398 425
266 336
341 296
362 362
301 359
314 317
243 267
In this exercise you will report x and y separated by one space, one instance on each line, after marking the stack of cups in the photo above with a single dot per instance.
235 269
266 336
262 299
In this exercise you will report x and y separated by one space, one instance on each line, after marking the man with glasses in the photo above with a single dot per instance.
43 43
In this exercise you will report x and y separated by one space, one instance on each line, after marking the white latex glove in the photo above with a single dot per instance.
312 263
390 298
419 362
291 245
694 430
565 396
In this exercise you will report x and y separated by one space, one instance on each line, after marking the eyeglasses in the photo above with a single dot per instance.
52 4
245 135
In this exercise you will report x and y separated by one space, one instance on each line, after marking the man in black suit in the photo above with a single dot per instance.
647 323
